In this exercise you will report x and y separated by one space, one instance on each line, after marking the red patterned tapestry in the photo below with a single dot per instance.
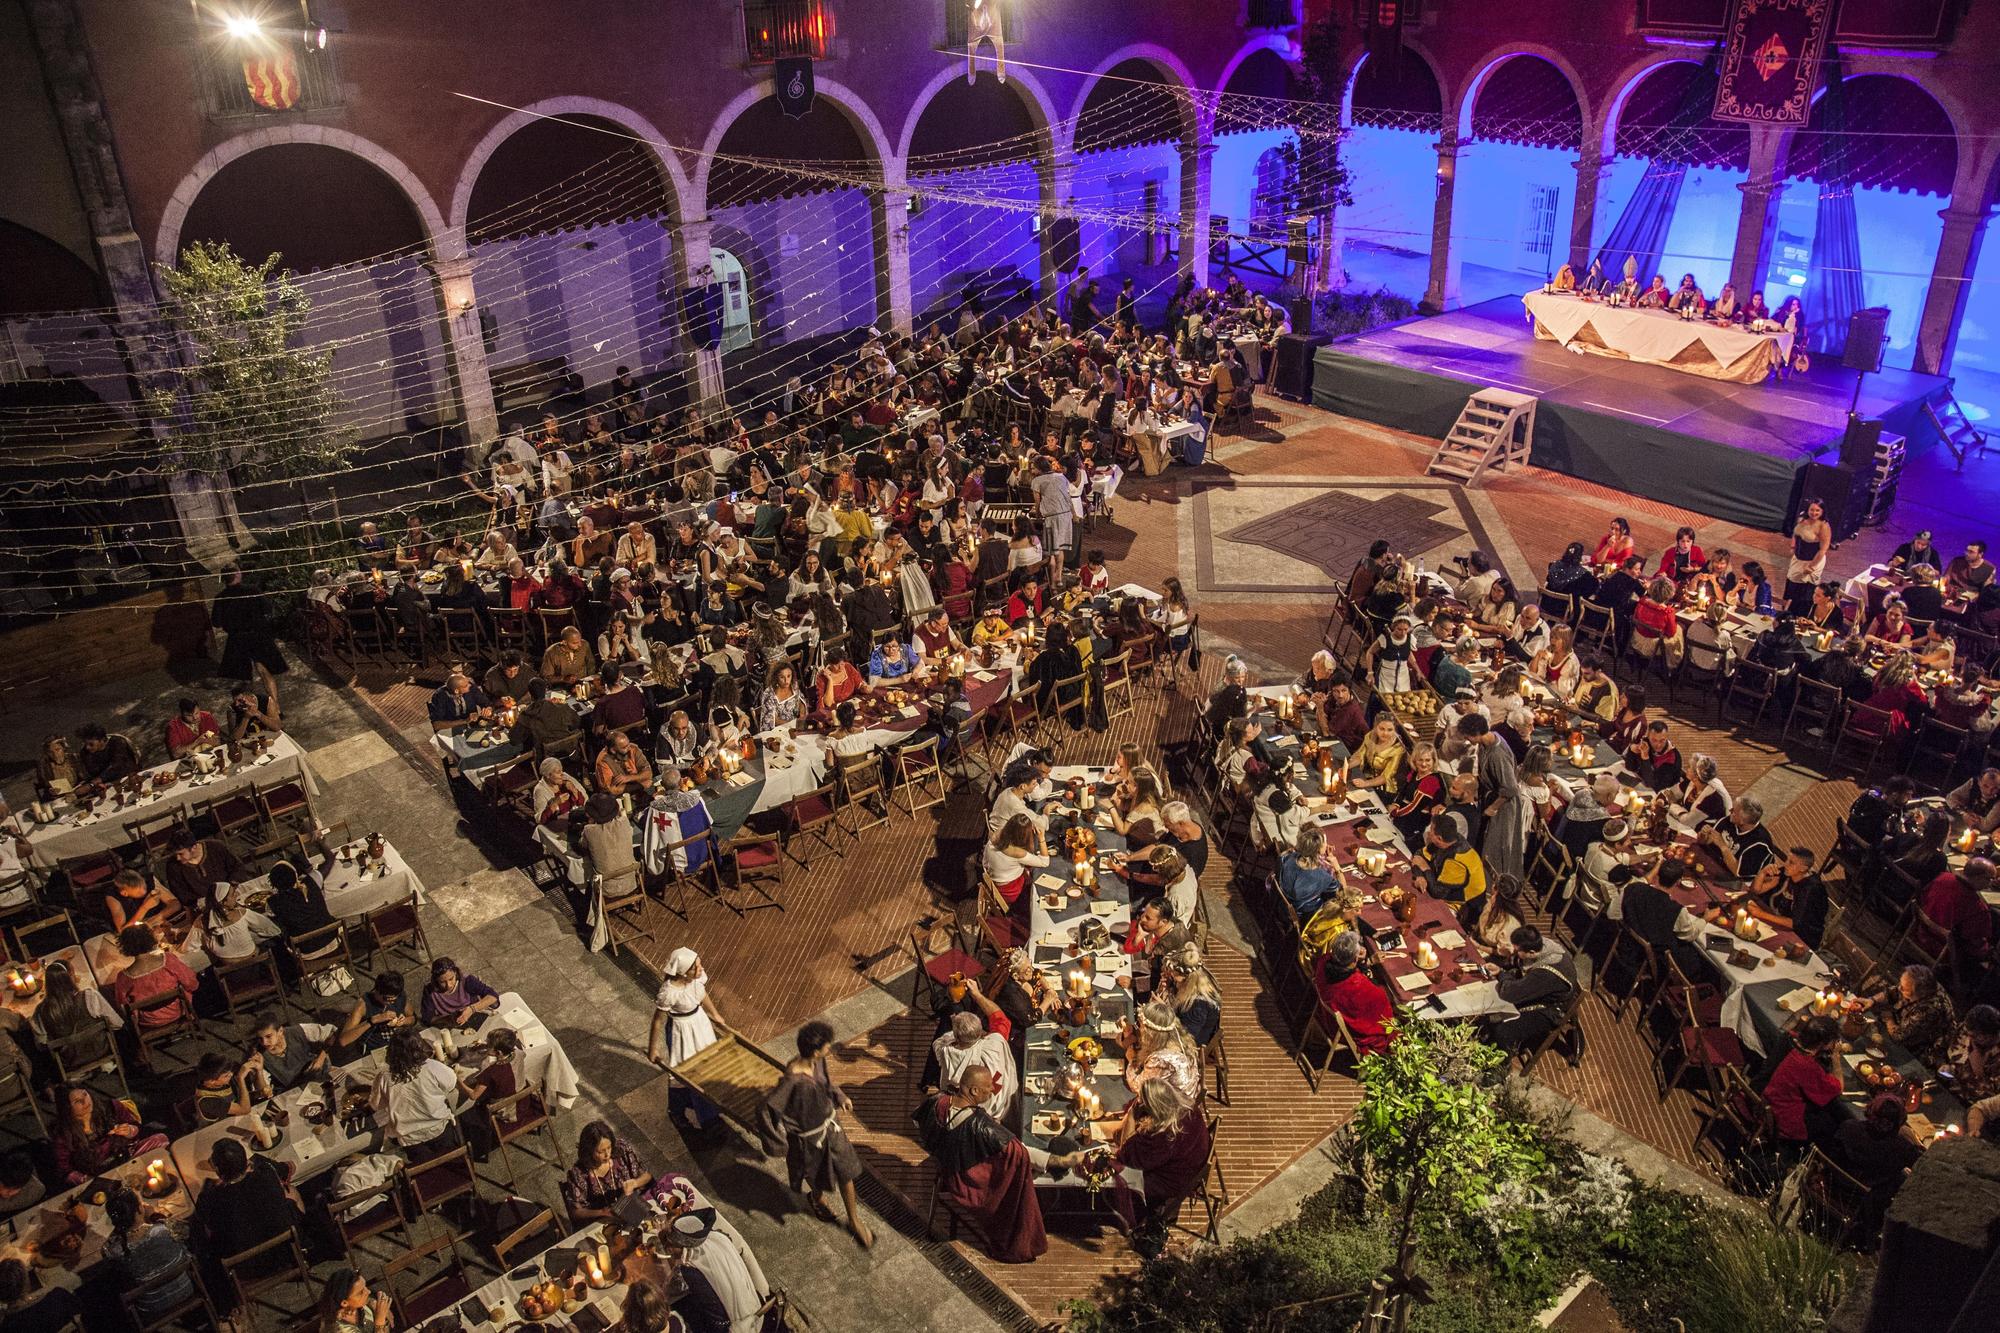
1770 64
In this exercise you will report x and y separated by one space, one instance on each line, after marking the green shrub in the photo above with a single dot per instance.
1755 1278
1512 1211
1342 314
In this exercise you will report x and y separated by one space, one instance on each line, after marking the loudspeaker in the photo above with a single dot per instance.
701 315
1867 331
1065 244
1292 367
1301 313
1842 490
1857 446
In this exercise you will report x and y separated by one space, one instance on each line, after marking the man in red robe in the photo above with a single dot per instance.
983 1170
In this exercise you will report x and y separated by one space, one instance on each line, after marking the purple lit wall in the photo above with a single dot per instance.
587 294
819 253
949 238
1123 180
383 324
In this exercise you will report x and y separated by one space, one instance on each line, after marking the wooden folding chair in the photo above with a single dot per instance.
1329 1028
237 818
919 777
812 815
859 780
180 1314
433 1183
86 1053
316 952
154 834
934 972
287 810
16 1096
394 926
511 1119
621 899
146 1037
248 983
44 935
754 861
435 1294
265 1266
368 1213
524 1226
1117 678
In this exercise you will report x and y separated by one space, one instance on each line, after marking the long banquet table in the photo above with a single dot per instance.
1692 346
73 833
1054 947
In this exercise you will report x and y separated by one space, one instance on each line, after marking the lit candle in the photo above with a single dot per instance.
155 1173
18 982
1966 839
1427 957
1326 774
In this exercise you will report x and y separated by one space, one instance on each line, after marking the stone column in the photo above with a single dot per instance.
1951 285
1759 216
1197 192
892 259
1058 182
1591 170
468 349
1443 292
692 243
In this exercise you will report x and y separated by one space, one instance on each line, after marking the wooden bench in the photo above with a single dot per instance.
531 383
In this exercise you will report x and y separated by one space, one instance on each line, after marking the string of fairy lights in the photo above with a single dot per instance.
990 180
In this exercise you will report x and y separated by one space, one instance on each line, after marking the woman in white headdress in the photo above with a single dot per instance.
686 1018
721 1270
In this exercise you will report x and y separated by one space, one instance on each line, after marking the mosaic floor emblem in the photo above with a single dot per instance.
1332 531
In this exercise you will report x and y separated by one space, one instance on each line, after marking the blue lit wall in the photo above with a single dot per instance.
821 252
1899 241
1393 177
1975 366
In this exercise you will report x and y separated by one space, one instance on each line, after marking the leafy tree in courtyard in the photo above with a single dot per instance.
253 399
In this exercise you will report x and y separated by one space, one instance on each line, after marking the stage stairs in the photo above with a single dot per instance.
1960 435
1495 430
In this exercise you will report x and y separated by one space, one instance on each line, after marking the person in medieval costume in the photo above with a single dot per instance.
801 1118
983 1169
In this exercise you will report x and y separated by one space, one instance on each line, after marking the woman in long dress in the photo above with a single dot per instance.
801 1118
685 1016
1500 798
1810 540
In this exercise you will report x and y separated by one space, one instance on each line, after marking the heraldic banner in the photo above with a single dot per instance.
1770 64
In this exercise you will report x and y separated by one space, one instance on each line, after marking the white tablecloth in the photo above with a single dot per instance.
74 835
351 892
310 1150
1658 338
504 1292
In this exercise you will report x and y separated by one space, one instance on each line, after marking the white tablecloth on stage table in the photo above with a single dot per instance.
284 761
1658 338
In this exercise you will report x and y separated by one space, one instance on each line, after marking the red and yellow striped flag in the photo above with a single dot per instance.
273 80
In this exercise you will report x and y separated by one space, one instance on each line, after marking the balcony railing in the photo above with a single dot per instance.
287 81
777 29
